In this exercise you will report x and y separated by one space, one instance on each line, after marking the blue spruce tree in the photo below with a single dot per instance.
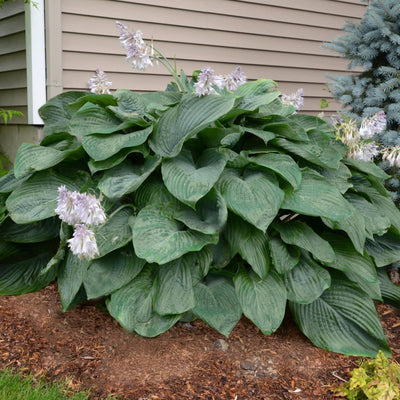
374 45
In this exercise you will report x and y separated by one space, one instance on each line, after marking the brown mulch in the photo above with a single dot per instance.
190 361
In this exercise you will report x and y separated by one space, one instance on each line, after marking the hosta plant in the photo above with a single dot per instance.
218 203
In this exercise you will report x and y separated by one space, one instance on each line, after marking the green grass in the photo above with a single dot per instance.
14 386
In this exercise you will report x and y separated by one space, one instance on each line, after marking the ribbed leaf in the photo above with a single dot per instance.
56 113
317 197
390 291
158 237
282 164
250 243
284 257
306 281
301 235
263 301
9 182
311 122
36 198
92 118
253 195
367 167
283 127
32 157
127 177
20 277
190 116
115 232
101 147
30 233
217 304
70 279
109 273
174 292
342 320
190 180
337 177
384 249
131 306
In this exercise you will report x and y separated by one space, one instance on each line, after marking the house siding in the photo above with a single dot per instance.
276 39
13 83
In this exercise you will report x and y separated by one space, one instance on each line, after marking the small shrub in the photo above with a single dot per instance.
376 379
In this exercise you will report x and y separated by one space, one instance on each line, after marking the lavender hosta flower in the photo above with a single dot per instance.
83 242
207 81
99 83
348 133
371 126
137 51
295 99
77 208
234 79
392 156
365 151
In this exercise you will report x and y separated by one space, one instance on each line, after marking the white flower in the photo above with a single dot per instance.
371 126
99 83
66 208
295 99
365 151
392 155
83 242
79 208
137 51
234 79
207 81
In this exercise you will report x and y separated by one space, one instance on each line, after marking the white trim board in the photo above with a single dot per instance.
35 59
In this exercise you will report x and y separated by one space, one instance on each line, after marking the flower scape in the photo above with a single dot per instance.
212 199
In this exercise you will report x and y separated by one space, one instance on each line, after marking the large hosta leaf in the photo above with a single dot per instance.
190 116
109 273
337 177
175 294
390 291
283 127
56 113
92 118
306 281
250 243
284 257
317 197
190 180
131 306
342 320
217 304
70 279
115 232
384 249
152 191
282 164
36 198
301 235
367 167
253 195
101 147
20 277
158 237
127 177
32 157
30 233
263 301
9 182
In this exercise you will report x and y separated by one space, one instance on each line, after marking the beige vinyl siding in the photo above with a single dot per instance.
13 84
276 39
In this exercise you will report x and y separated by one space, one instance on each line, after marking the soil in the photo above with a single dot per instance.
89 349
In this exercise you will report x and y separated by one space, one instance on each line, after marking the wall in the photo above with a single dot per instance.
277 39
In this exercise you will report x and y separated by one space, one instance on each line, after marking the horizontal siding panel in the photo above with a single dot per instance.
19 121
13 98
12 43
81 24
13 79
207 54
13 61
12 25
158 15
11 8
212 10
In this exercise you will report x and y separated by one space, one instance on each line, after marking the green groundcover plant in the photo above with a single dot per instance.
219 201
